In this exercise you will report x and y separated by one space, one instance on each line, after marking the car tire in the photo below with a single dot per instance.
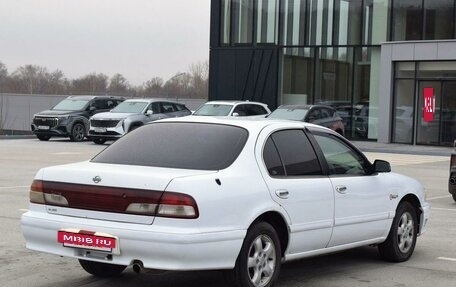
43 137
258 262
401 240
99 140
99 269
77 132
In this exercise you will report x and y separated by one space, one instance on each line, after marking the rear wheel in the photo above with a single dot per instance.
43 137
258 262
401 239
77 132
99 269
99 140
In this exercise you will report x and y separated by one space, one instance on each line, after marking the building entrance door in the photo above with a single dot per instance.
436 113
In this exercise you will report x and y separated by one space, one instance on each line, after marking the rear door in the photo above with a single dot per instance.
294 177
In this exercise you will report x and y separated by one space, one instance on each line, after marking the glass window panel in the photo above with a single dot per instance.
348 22
297 76
225 22
448 126
376 21
438 19
427 131
320 22
267 19
361 114
403 111
407 20
334 75
242 21
293 22
405 70
437 69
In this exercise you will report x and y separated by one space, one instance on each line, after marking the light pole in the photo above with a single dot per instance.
169 81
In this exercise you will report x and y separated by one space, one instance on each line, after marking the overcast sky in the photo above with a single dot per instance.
137 38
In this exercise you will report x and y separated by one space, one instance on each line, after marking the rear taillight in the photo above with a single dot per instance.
453 160
114 199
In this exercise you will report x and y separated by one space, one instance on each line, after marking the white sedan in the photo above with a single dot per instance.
203 193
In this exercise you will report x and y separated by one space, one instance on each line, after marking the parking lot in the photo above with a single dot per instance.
433 263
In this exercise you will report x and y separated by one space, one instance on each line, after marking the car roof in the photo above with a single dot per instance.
145 100
91 97
304 107
251 124
234 102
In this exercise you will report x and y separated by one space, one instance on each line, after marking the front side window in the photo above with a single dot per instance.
253 110
341 158
167 108
296 153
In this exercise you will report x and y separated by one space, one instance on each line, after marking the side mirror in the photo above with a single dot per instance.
235 114
381 166
149 112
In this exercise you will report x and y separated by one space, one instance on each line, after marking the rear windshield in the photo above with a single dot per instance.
199 146
289 114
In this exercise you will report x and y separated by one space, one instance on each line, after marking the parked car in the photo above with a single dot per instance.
452 180
316 114
199 193
233 109
130 115
70 117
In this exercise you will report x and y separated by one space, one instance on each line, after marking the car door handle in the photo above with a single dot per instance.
282 193
341 189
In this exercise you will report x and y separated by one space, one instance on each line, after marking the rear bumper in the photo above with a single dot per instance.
156 247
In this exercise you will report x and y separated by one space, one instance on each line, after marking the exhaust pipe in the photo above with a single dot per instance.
138 266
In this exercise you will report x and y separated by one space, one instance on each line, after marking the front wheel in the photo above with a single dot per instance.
43 137
258 263
77 132
401 239
99 269
99 140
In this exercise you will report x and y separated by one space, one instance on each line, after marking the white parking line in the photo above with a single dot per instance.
12 187
447 259
446 209
438 197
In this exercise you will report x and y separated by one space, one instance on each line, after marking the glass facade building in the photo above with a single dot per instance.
332 52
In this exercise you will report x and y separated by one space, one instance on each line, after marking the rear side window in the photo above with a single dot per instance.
178 145
272 159
296 153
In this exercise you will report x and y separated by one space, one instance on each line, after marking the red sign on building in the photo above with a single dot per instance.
429 105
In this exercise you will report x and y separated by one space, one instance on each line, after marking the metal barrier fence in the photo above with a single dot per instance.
17 110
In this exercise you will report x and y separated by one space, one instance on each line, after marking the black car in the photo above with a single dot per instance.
452 180
316 114
70 117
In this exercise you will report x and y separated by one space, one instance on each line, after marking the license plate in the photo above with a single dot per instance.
43 127
88 240
100 130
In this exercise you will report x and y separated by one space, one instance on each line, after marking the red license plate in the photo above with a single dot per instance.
88 240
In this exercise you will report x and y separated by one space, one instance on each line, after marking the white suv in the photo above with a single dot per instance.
233 109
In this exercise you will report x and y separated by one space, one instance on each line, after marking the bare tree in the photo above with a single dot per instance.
199 73
153 87
118 85
3 76
90 84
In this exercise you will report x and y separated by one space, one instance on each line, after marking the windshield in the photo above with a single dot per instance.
130 107
71 105
289 114
198 146
214 110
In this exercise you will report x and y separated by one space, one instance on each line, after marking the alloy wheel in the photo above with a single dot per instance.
261 260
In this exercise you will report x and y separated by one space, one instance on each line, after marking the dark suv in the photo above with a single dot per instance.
452 181
70 117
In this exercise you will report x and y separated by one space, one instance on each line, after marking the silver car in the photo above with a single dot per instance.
130 115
